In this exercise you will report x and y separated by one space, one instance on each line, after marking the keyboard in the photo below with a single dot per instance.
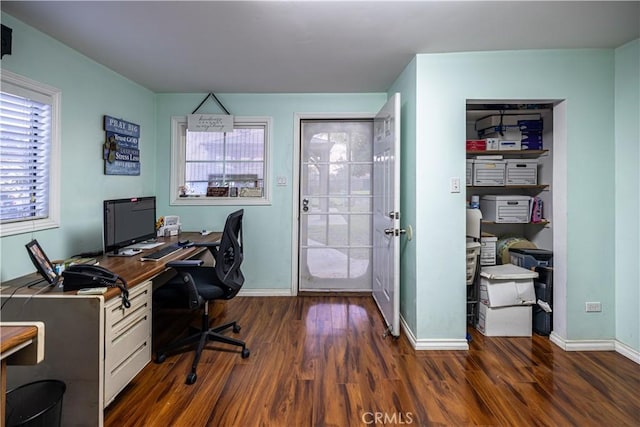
160 253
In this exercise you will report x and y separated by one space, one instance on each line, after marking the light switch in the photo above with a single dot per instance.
282 181
455 184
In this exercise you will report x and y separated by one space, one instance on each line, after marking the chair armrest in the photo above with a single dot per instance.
185 263
206 244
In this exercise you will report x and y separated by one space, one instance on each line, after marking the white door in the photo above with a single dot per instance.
386 213
335 243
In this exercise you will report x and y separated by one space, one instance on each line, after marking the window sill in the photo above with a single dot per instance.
22 227
219 201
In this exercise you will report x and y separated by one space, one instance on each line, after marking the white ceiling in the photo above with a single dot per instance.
310 46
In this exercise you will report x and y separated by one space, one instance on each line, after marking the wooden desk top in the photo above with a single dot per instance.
14 336
130 268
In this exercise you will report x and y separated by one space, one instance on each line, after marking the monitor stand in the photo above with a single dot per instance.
125 252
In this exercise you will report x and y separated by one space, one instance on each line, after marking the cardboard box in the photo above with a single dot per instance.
522 172
531 137
531 145
505 119
504 321
530 125
488 250
504 132
493 144
510 144
469 171
505 209
507 285
476 145
488 172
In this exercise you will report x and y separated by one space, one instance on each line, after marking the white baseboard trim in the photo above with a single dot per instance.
628 352
582 345
432 344
596 345
265 293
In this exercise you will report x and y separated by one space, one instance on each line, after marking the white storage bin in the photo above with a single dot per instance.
473 250
522 172
507 285
488 250
513 143
505 321
505 209
469 171
489 172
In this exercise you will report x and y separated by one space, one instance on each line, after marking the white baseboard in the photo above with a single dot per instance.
433 344
265 293
596 345
628 352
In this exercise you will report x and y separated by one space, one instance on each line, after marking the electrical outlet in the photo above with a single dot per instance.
590 307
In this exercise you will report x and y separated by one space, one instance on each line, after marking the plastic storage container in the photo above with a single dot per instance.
36 404
543 320
529 258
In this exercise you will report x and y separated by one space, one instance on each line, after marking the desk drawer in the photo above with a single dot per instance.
127 340
116 315
128 355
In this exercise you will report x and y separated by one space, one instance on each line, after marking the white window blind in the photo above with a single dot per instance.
29 155
25 131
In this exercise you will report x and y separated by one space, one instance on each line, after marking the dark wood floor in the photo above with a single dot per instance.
321 361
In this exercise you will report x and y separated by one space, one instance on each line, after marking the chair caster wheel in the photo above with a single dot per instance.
191 378
236 328
160 357
245 353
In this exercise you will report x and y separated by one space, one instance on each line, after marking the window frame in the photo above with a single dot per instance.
178 160
25 87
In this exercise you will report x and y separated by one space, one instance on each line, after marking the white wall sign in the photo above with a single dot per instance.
210 123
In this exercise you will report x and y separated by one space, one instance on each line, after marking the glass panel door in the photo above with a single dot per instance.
335 205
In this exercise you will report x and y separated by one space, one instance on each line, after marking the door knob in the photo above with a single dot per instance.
394 231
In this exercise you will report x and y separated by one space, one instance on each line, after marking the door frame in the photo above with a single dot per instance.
295 208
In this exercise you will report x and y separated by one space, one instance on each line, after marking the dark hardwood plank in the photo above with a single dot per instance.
321 361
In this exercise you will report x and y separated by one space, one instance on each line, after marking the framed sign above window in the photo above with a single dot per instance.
221 168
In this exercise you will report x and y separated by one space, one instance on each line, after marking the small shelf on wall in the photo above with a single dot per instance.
509 153
541 223
510 187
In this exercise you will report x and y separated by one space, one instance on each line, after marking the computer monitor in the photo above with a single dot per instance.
128 221
41 262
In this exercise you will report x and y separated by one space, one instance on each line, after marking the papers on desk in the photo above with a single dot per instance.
144 245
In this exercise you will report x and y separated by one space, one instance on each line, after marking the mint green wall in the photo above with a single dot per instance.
445 81
405 84
627 193
601 171
89 91
267 229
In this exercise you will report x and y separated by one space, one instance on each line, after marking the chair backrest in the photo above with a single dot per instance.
229 254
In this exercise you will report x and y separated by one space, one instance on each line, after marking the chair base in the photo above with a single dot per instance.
201 338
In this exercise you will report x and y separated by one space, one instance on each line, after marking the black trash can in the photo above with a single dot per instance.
36 404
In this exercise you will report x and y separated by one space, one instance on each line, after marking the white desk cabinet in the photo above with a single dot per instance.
95 347
127 340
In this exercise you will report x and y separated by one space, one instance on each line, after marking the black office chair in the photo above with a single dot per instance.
196 285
